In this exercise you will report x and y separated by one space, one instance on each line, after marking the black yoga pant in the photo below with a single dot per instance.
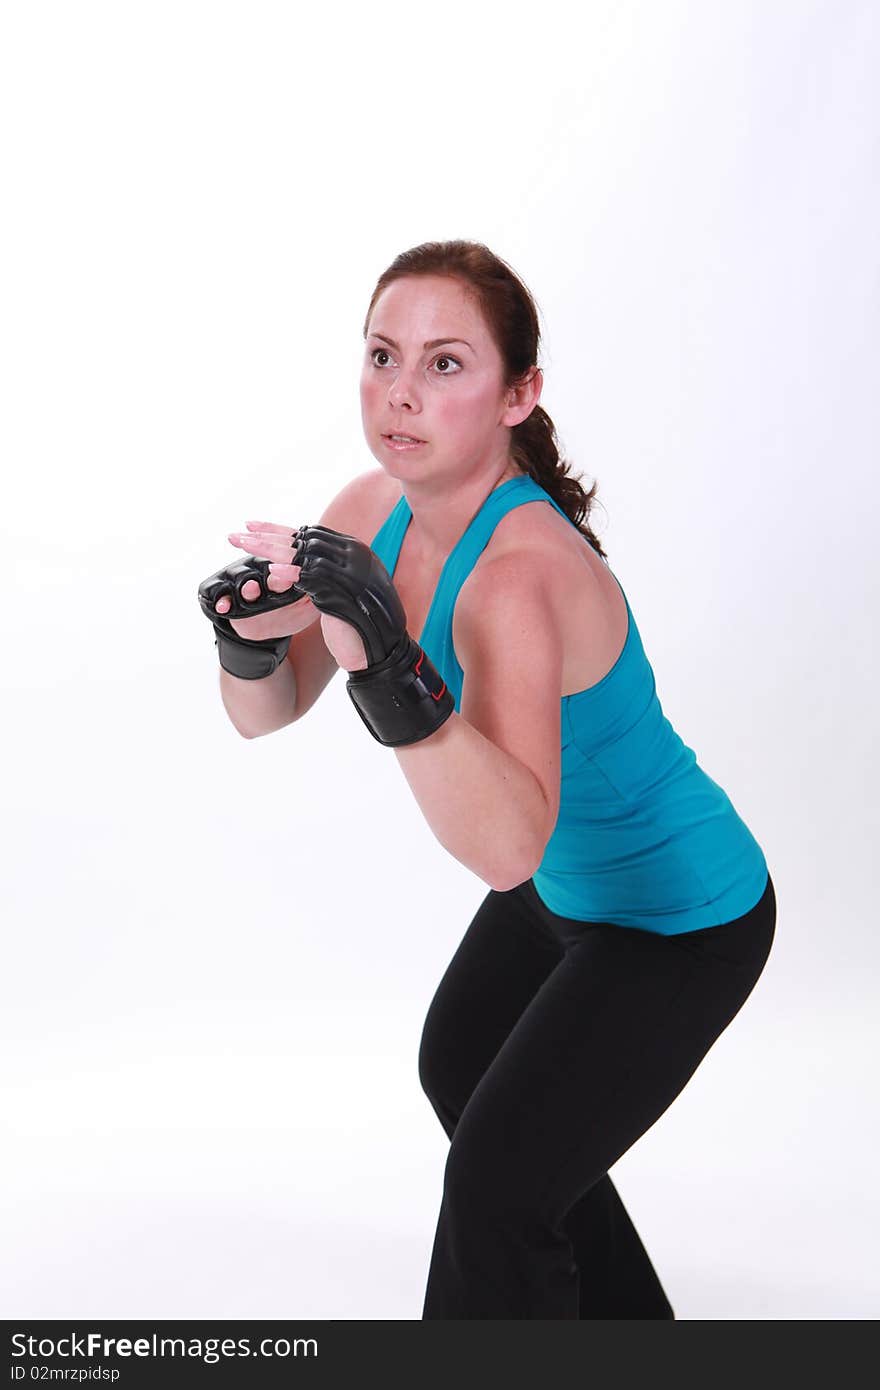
549 1047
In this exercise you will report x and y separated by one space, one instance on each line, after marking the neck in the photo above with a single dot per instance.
441 514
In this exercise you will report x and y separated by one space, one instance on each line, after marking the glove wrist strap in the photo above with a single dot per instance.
250 661
403 698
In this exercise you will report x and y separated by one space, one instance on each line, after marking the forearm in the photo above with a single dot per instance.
485 807
260 706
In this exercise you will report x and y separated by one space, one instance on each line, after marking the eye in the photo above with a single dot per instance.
441 371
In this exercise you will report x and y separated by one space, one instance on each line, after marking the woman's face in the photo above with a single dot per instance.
418 380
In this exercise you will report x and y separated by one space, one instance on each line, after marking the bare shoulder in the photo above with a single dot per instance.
534 545
382 495
531 539
536 526
363 504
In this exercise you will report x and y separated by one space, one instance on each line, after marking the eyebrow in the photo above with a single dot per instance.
435 342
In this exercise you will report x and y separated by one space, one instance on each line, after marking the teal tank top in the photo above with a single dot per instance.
644 837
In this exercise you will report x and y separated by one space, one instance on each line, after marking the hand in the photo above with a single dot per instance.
280 622
273 543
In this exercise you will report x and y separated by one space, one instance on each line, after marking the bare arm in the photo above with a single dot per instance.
484 806
488 781
262 706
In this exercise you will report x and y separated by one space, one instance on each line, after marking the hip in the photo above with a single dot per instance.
743 943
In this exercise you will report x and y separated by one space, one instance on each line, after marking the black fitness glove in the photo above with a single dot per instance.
240 656
400 696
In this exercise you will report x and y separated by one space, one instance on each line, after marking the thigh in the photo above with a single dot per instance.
502 961
599 1053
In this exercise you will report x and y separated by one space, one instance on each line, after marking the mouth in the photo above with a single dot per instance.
402 441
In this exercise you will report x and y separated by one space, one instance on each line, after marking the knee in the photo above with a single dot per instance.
487 1185
432 1078
439 1077
468 1190
446 1061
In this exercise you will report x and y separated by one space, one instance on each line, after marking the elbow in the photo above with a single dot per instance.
250 731
242 729
518 873
507 884
256 733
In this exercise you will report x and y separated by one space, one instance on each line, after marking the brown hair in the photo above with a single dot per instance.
512 317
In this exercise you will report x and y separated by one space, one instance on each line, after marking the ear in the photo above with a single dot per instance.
523 397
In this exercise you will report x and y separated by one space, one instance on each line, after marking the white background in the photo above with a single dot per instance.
218 953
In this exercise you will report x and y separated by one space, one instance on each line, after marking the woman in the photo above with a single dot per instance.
630 910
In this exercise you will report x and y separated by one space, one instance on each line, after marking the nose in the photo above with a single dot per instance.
401 392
